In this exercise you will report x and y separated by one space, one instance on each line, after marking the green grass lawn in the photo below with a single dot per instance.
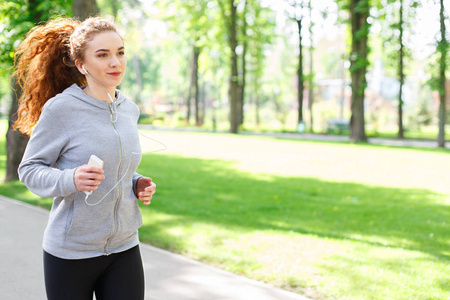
314 235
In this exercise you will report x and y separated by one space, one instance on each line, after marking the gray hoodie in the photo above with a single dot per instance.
72 126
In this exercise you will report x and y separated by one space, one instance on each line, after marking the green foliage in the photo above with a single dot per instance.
434 66
192 19
389 20
439 62
14 24
17 18
112 7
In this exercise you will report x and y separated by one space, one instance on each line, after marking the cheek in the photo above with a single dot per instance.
124 64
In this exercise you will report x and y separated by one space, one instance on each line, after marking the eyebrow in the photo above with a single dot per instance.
107 50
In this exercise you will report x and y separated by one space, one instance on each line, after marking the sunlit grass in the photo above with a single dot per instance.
323 229
332 240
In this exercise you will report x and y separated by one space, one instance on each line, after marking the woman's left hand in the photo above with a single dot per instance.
145 188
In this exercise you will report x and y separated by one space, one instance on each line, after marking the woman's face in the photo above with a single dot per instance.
104 60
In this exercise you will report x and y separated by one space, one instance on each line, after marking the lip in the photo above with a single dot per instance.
115 74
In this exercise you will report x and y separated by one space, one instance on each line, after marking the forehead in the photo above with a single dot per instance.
109 40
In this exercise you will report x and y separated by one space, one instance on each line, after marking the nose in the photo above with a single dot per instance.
115 62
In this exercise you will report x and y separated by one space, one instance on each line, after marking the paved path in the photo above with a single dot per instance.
168 276
343 138
312 137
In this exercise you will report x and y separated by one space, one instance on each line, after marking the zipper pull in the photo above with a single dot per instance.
113 112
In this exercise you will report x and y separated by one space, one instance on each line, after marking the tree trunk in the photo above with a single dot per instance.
311 93
188 99
194 86
359 10
401 76
234 84
35 14
16 142
83 9
300 72
311 70
242 86
242 82
442 69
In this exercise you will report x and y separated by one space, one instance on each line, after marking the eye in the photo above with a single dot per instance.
102 55
121 53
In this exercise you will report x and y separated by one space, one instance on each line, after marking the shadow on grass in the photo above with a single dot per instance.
192 191
212 191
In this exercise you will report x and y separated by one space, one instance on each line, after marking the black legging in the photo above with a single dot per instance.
118 276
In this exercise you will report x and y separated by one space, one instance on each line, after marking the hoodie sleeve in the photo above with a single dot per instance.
136 177
38 169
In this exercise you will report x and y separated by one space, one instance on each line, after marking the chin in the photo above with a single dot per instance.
115 83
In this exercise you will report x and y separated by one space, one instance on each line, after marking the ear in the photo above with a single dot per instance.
79 66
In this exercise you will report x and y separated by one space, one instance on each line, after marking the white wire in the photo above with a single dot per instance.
115 112
128 168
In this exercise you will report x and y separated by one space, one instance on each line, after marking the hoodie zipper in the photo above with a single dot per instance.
117 179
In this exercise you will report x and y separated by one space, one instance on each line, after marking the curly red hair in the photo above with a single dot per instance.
45 63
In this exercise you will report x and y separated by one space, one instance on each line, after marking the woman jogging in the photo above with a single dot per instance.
69 71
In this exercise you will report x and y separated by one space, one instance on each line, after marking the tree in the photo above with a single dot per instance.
359 12
401 74
193 20
194 92
297 14
230 18
442 48
83 9
16 142
397 16
249 28
311 70
260 33
243 70
15 18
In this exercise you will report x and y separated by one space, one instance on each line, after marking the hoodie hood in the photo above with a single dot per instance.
78 92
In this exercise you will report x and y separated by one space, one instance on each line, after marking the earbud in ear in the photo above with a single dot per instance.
82 66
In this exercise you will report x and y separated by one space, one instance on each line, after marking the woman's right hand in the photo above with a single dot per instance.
87 178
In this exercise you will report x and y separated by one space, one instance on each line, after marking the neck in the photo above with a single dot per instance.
99 93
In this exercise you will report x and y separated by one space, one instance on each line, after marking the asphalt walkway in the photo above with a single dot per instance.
310 137
168 276
343 138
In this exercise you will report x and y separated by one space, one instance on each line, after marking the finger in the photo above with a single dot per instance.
90 176
97 177
95 182
150 191
145 196
92 169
